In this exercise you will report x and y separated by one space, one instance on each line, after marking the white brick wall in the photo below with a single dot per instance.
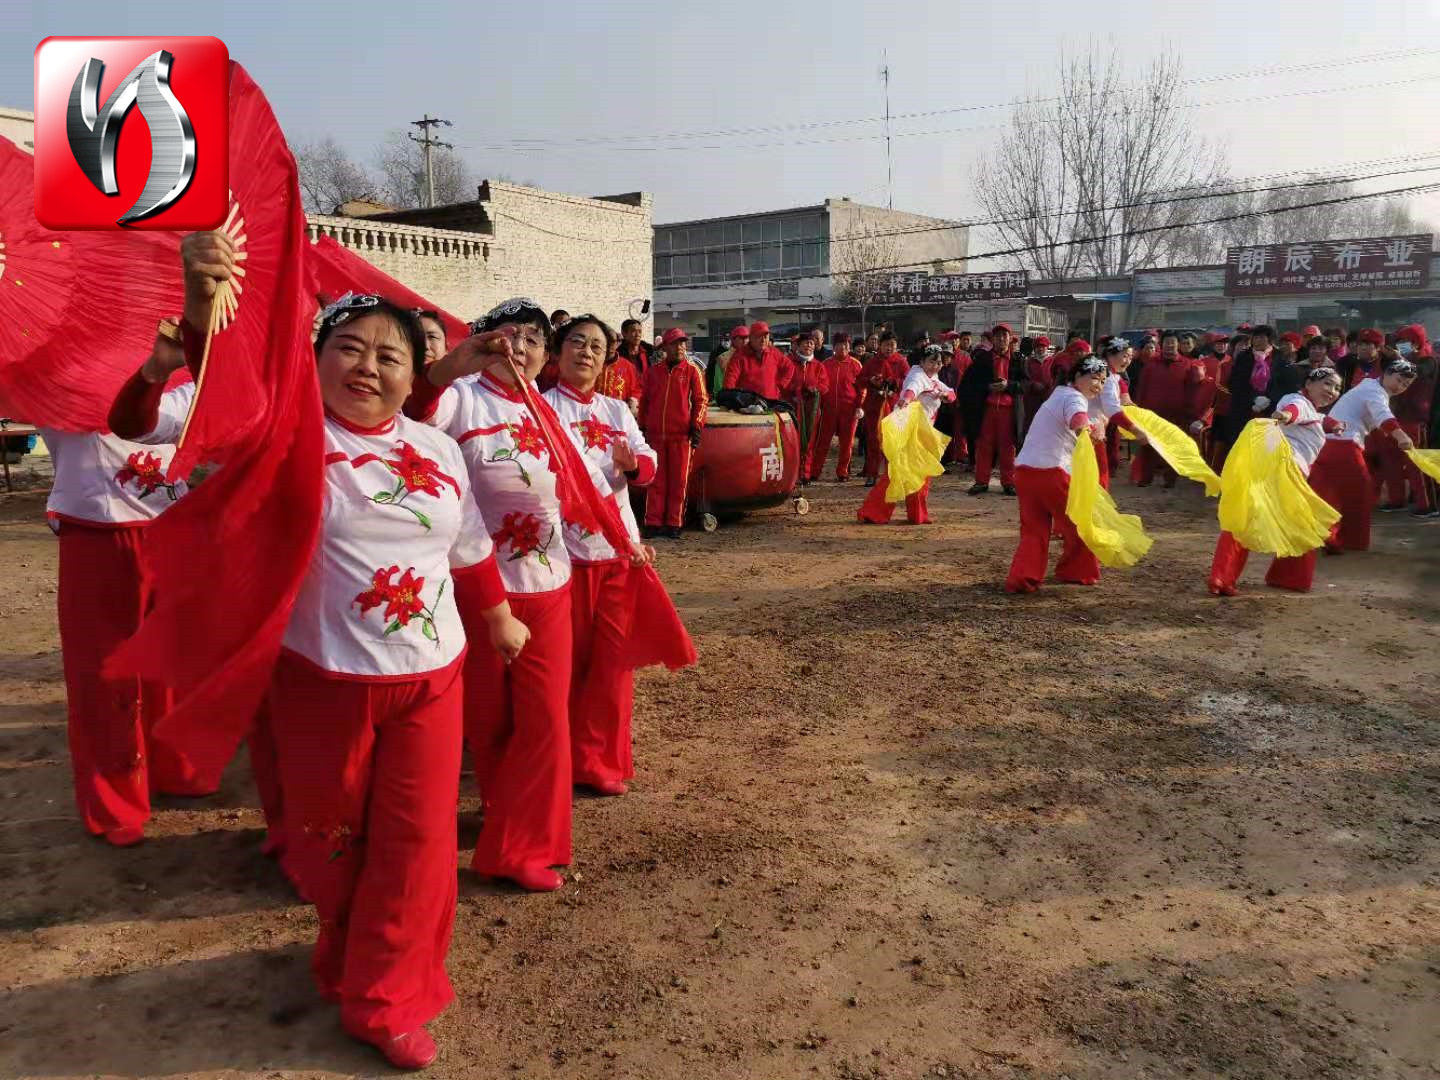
583 255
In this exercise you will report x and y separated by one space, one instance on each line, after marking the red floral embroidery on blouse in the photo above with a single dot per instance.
596 434
528 438
402 600
522 533
142 469
416 472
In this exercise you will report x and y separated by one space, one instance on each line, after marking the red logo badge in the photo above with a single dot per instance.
131 132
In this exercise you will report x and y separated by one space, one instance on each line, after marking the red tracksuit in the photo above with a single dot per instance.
807 391
619 380
672 410
997 429
769 375
1172 389
877 371
839 414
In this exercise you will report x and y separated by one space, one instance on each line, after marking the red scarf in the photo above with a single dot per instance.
656 634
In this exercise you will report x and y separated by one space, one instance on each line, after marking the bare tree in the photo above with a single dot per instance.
402 167
1273 223
328 177
863 261
1081 177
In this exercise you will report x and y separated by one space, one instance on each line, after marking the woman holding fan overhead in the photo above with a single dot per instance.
365 700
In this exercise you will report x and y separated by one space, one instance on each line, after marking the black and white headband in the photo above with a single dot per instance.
506 311
347 307
1400 366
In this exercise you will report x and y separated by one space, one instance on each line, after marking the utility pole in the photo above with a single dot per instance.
429 142
889 161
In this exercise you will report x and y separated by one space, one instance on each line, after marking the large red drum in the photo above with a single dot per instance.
744 462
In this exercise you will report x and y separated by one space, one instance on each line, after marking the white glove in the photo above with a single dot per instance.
1261 404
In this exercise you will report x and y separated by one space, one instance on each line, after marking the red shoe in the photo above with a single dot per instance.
604 787
1220 589
125 836
413 1050
532 878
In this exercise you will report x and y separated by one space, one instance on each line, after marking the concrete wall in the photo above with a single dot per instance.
585 255
19 127
927 242
449 268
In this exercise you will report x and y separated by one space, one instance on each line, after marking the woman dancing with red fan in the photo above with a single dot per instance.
602 689
366 697
516 715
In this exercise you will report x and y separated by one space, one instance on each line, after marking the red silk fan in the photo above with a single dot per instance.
244 537
230 402
78 310
339 270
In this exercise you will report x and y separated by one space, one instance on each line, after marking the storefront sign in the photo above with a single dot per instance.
1384 263
951 288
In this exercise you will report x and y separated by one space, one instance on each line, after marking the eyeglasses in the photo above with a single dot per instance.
348 306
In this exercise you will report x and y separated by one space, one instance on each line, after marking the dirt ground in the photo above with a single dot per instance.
896 825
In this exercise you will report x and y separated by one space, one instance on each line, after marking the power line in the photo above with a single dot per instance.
526 144
580 147
429 143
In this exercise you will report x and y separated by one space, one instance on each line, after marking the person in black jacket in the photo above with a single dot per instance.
987 394
1250 383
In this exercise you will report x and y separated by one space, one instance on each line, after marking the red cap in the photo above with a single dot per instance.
1043 341
949 335
1245 326
673 335
1311 331
1216 336
1293 338
1080 346
756 329
1371 336
739 332
1001 326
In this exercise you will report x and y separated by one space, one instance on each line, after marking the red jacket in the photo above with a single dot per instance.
673 402
879 369
645 356
1173 388
768 375
845 391
809 375
619 379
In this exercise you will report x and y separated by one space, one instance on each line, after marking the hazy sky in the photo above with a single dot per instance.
622 75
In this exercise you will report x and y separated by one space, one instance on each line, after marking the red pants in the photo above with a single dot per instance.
665 497
1341 477
876 511
1042 494
874 455
1144 464
371 772
517 725
830 425
103 591
602 694
997 438
1295 574
1396 471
